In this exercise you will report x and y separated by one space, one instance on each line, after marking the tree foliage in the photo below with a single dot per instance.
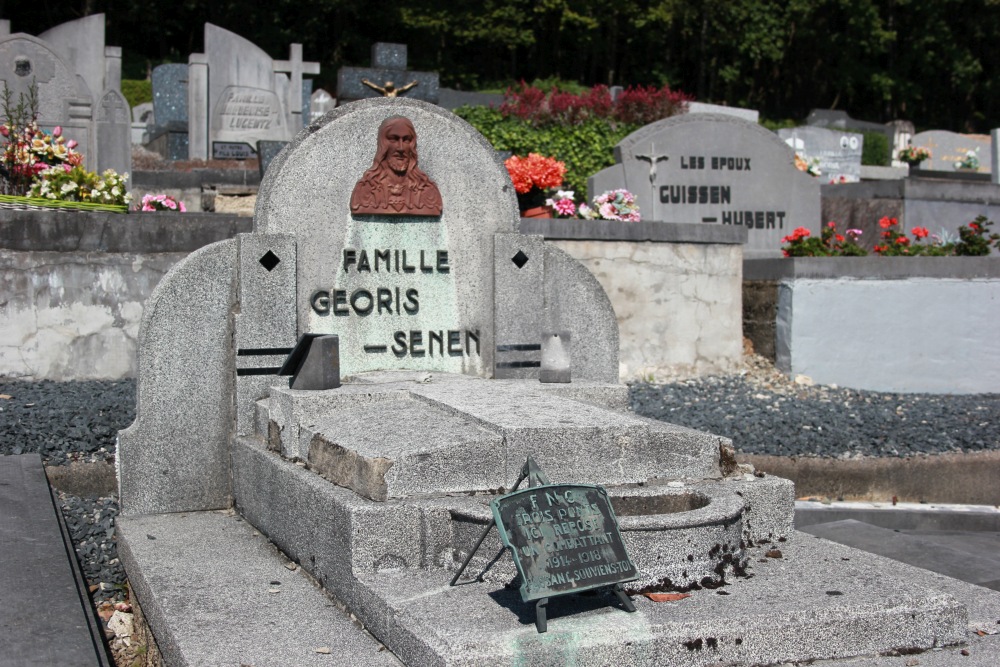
930 61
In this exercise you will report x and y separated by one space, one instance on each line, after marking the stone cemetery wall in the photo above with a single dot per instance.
79 88
837 154
715 169
947 148
897 324
75 285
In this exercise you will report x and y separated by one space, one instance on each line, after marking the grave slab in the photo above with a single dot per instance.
235 618
46 617
836 604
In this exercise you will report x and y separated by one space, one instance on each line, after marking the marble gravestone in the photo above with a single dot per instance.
238 95
715 169
79 87
838 154
947 148
379 488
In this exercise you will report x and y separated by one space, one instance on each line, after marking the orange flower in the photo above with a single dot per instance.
535 171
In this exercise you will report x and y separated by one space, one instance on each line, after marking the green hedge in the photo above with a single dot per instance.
137 91
585 148
875 150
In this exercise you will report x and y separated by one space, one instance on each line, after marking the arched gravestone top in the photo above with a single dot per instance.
25 59
306 193
715 169
81 42
243 95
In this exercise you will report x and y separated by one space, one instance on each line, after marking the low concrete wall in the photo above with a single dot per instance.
675 288
906 324
196 187
74 285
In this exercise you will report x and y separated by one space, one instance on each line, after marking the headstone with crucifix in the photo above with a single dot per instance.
387 77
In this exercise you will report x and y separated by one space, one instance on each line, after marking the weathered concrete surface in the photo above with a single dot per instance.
74 285
250 608
944 478
74 315
678 305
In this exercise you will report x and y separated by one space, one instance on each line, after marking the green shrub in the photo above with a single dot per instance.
585 148
137 91
875 151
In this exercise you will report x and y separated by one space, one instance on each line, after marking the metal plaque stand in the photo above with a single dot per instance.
535 477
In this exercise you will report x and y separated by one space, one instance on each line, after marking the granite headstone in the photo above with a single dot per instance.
169 134
387 77
947 148
838 154
320 102
75 72
266 152
715 169
751 115
113 133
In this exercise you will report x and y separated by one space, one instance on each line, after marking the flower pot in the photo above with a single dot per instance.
536 212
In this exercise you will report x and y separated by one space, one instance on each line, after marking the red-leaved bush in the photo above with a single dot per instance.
638 105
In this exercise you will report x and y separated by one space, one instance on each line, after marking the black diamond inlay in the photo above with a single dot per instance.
520 259
269 260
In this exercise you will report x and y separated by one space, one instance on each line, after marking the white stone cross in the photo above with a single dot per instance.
295 68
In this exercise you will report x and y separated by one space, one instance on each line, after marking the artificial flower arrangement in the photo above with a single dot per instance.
30 150
532 176
970 162
76 184
612 205
45 167
811 166
914 155
161 203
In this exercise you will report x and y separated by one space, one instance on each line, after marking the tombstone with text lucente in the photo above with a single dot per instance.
715 169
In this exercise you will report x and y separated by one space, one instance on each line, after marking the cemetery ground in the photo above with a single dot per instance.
73 425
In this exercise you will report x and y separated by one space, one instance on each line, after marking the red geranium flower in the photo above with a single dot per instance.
920 232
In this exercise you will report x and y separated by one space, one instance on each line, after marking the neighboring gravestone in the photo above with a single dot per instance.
320 102
76 75
113 133
266 152
387 77
837 154
169 135
751 115
243 102
238 95
715 169
947 148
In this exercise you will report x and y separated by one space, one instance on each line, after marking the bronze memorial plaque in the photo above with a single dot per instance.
564 539
395 185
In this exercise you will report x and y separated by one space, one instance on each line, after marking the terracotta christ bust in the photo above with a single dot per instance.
395 185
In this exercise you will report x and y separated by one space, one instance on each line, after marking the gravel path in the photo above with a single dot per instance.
761 410
766 413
